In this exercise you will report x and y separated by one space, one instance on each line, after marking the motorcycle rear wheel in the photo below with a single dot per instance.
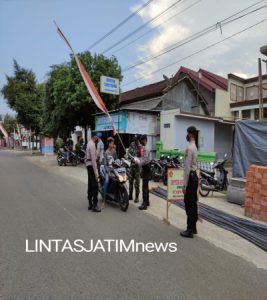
123 198
202 192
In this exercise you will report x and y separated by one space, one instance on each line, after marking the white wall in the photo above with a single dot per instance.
222 104
175 136
167 134
206 133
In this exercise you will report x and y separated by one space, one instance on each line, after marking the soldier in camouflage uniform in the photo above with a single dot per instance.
135 170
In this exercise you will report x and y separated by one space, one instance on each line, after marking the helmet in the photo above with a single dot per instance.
99 134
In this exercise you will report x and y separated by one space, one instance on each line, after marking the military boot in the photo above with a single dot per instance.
136 200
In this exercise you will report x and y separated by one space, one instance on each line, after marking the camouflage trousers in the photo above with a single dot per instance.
134 180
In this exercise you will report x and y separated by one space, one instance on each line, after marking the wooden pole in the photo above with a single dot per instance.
260 91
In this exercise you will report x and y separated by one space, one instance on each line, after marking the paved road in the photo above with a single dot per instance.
37 204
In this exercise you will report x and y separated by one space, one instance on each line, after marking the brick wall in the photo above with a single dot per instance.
256 193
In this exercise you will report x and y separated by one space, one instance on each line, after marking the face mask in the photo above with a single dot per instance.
188 137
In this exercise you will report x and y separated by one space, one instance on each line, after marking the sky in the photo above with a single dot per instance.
28 34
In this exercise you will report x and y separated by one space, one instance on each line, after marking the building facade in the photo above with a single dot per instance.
244 97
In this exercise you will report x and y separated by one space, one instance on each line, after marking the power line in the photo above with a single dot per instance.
120 24
142 26
197 52
197 35
152 29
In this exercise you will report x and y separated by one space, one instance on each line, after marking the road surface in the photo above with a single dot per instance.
36 204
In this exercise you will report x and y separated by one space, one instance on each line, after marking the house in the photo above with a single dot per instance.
148 97
214 134
128 122
198 98
244 97
195 92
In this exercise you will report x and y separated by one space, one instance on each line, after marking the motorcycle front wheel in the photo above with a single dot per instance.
203 193
59 161
74 161
123 198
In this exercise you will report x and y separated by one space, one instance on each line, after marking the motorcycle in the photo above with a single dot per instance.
62 159
210 183
117 191
168 164
156 170
80 155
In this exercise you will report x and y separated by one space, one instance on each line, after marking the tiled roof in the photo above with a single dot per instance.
208 80
145 92
205 78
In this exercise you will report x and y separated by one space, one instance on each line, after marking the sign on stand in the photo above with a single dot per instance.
174 189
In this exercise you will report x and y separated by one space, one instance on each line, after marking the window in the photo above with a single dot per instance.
233 92
257 115
252 93
246 114
240 93
236 115
167 125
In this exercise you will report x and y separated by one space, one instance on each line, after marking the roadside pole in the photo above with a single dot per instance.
260 91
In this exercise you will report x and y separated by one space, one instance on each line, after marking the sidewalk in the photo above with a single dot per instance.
210 232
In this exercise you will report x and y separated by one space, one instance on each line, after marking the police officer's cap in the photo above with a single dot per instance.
191 129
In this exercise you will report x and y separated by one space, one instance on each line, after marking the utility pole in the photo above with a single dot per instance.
260 91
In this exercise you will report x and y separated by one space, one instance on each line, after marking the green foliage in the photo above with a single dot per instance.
59 143
24 95
67 101
10 123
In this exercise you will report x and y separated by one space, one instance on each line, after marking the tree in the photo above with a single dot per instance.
24 95
10 123
67 101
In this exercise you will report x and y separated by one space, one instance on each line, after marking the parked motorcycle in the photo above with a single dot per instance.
168 164
156 170
80 155
208 181
62 159
117 191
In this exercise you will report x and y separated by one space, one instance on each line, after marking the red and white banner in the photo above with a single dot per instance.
87 80
3 131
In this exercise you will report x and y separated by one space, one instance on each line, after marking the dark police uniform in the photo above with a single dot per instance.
146 176
134 172
92 170
191 187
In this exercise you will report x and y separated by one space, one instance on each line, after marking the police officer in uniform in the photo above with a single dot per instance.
191 184
93 175
134 150
144 163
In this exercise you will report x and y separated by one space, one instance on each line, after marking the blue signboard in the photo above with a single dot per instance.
102 123
109 85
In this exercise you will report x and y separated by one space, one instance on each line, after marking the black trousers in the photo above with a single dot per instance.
190 201
92 190
145 191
